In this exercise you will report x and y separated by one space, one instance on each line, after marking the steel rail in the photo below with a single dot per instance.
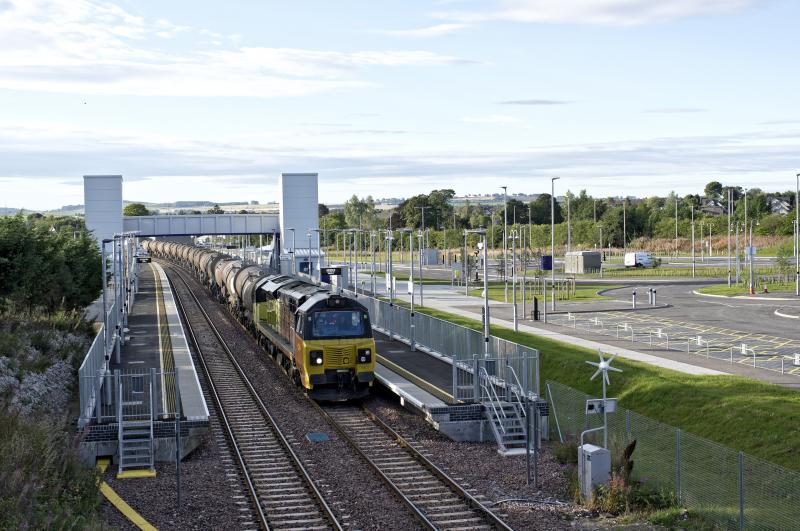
471 502
262 409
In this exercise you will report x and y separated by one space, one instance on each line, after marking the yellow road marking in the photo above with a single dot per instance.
119 503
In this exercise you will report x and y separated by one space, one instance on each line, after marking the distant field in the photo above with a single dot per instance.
583 292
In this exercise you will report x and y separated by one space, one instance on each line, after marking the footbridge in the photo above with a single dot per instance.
192 225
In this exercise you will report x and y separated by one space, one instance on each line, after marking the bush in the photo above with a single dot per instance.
42 483
566 453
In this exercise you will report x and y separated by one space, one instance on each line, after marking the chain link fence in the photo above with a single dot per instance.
730 488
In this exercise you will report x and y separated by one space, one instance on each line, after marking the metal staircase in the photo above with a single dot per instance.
135 431
506 415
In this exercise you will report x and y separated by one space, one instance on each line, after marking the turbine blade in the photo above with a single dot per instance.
605 375
614 369
598 371
592 363
612 358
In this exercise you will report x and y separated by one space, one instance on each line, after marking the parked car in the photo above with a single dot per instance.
142 256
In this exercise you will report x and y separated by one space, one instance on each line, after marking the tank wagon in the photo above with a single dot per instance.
322 340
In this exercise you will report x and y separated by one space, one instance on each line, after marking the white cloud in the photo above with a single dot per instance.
601 12
430 31
491 119
231 167
93 47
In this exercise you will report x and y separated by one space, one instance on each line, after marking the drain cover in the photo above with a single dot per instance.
317 436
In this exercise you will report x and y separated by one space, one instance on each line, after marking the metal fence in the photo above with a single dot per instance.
755 350
131 389
455 344
96 364
733 489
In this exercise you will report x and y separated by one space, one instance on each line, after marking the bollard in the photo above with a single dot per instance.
650 296
633 299
654 297
536 308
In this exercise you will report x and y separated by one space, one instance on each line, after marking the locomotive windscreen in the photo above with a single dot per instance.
339 324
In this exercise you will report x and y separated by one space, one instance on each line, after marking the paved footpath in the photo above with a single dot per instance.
452 299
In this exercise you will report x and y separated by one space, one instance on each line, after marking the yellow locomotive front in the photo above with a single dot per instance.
334 350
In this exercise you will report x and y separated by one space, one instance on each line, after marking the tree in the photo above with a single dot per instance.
323 210
360 212
135 209
215 210
540 210
517 211
713 190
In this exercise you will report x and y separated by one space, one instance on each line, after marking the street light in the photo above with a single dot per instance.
730 209
552 240
505 243
797 238
486 326
513 237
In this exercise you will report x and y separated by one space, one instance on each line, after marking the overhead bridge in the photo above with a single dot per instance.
202 224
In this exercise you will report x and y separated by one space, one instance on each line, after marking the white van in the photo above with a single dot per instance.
639 259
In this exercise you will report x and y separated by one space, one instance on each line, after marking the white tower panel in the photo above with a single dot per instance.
102 197
299 209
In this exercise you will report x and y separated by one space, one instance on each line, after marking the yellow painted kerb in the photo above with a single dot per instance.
119 503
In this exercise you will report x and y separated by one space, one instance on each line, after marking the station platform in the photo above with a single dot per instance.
154 356
423 381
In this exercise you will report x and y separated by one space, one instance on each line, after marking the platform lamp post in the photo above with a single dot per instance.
552 240
750 254
505 242
389 270
294 264
411 279
421 236
372 238
486 322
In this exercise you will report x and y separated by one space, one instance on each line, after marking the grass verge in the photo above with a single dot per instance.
742 289
583 292
758 418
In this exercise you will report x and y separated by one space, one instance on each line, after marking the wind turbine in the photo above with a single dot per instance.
603 366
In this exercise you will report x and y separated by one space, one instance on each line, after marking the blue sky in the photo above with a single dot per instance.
210 100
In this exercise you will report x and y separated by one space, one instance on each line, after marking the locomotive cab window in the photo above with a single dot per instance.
338 323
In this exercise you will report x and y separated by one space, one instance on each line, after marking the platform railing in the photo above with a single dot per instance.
94 368
455 344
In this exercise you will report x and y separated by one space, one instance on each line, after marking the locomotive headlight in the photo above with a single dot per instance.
364 355
316 357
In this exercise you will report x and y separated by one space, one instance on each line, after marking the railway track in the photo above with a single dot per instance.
282 491
437 500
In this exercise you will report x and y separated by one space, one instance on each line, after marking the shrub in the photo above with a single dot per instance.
42 483
566 453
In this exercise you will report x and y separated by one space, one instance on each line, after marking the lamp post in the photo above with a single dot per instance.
552 240
750 253
505 243
676 227
294 264
421 236
730 208
389 239
797 237
513 237
693 271
745 225
486 324
372 238
569 226
411 279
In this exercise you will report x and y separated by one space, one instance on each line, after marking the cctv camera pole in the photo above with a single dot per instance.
693 270
486 327
505 242
421 236
552 240
411 281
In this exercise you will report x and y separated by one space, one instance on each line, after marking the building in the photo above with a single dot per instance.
779 206
581 262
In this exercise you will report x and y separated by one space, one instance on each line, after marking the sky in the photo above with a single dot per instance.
201 100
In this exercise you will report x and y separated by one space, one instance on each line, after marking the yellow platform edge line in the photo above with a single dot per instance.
119 503
143 473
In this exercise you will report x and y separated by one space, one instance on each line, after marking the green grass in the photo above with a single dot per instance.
756 417
583 292
676 272
742 289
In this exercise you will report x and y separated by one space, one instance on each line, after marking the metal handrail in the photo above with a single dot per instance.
491 391
516 389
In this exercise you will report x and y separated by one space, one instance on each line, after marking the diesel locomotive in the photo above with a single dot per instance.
323 340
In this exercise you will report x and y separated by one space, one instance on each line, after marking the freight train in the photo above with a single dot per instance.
323 340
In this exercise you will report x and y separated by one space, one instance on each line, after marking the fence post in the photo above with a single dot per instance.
455 379
628 424
476 382
741 490
678 463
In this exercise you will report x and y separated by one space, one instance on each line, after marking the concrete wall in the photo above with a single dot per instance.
299 199
102 195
